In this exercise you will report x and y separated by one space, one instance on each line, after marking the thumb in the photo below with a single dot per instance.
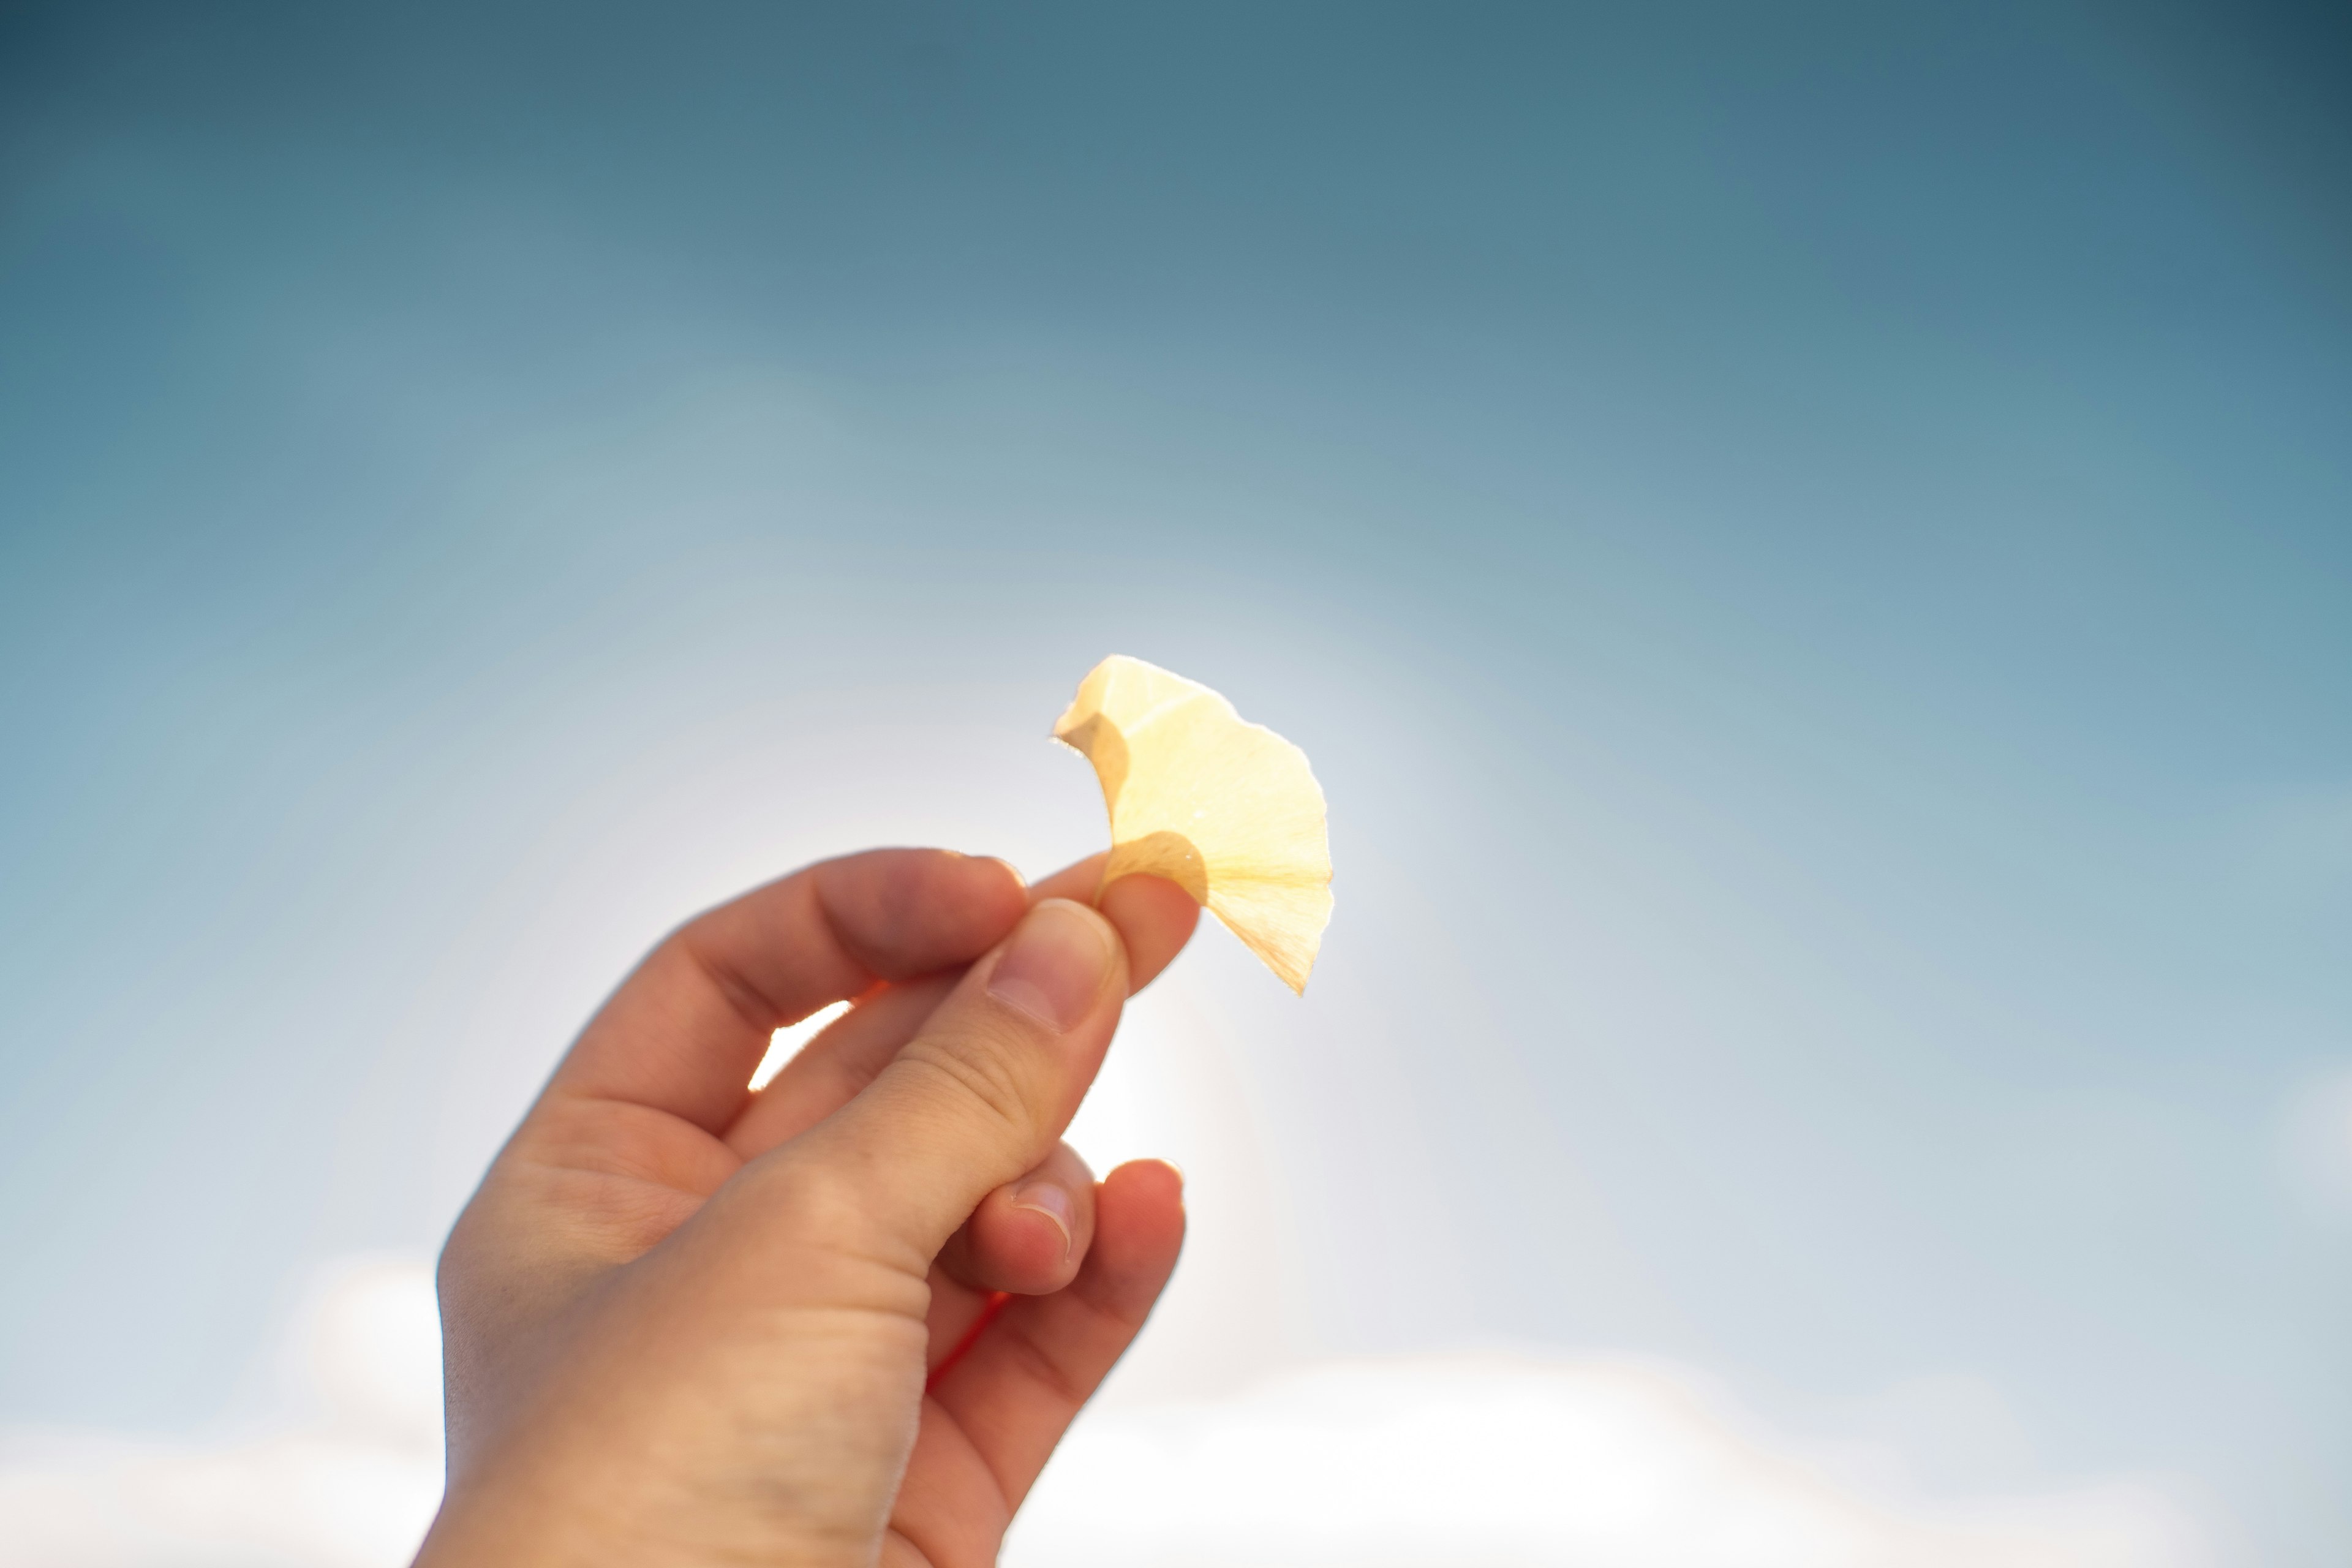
982 1093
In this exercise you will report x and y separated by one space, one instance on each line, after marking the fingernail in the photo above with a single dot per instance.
1054 968
1051 1202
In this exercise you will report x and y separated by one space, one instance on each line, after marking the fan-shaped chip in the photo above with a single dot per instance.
1228 811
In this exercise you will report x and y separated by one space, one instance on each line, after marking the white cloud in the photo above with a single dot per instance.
1488 1461
1956 1430
1501 1461
348 1479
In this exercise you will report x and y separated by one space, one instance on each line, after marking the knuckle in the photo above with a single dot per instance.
986 1078
1048 1370
814 1198
819 1215
691 949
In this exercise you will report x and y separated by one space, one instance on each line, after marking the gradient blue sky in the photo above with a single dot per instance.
1811 546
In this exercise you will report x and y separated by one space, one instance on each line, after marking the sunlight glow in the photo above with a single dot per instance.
786 1043
1506 1460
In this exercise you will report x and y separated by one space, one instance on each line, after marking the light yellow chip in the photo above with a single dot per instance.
1226 810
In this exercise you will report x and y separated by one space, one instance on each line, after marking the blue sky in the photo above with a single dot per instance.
1810 551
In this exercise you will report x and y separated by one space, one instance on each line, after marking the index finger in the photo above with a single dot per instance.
1154 919
684 1032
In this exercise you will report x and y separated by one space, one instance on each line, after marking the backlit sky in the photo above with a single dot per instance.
1811 548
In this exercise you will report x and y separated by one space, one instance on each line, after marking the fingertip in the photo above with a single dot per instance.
1055 1207
1058 965
1139 1232
1142 1203
995 884
903 912
1030 1237
1155 919
1081 880
1153 1179
1023 1246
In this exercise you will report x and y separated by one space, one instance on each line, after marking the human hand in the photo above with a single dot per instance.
689 1324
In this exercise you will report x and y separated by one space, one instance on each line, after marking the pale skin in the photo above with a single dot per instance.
688 1324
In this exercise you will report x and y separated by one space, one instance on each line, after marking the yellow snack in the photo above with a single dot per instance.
1228 811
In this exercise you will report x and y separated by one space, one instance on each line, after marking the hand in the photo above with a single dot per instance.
690 1324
